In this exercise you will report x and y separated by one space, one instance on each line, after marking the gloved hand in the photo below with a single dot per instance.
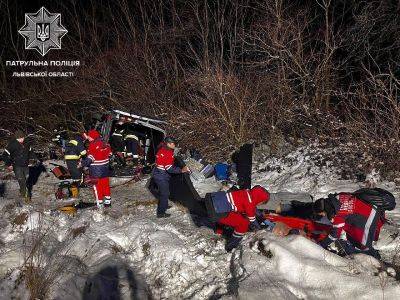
254 226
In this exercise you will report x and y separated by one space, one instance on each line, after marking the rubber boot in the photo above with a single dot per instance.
107 201
232 243
100 205
163 215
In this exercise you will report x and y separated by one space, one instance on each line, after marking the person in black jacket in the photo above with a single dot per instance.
16 157
132 145
74 151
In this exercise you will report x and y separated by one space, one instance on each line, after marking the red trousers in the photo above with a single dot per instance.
101 189
239 222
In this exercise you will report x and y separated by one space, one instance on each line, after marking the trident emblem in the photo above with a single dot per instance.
42 31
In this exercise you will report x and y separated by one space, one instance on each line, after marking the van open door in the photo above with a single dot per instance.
148 131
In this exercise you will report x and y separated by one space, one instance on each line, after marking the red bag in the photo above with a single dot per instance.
61 172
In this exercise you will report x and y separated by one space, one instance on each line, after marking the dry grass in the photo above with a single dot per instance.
145 203
116 249
146 249
78 231
46 260
36 283
20 219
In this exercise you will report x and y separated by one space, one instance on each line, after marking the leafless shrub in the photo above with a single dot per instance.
224 111
223 72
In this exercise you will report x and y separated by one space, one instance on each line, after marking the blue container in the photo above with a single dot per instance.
221 171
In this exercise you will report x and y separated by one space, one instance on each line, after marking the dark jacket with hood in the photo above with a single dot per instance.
17 154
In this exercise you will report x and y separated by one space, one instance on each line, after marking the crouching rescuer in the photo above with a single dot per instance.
98 162
236 209
357 219
162 173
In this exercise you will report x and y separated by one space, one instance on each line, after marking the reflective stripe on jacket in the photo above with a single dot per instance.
75 149
165 160
98 158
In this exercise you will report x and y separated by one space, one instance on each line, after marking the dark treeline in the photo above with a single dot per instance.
221 72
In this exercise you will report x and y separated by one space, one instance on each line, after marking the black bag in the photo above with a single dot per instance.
382 199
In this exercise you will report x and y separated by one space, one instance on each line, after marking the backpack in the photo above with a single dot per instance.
220 202
382 199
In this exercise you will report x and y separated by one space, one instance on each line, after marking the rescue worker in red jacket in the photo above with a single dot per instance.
356 224
98 162
236 209
162 172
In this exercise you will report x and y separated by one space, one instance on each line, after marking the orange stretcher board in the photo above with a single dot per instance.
314 230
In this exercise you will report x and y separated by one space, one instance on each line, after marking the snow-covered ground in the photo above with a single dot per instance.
128 253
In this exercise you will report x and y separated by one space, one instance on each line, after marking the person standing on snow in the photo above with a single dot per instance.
162 173
74 151
16 157
98 162
236 209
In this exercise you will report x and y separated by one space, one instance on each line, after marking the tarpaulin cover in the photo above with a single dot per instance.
183 192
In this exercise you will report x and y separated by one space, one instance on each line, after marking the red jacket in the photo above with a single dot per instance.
165 160
246 201
98 156
357 221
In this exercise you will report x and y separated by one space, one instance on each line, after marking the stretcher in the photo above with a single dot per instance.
313 229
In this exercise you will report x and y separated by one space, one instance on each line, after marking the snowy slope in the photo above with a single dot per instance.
130 253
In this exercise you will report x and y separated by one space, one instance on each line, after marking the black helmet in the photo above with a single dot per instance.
169 139
319 206
326 205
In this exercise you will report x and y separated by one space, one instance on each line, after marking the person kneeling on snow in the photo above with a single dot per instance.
356 222
98 162
236 209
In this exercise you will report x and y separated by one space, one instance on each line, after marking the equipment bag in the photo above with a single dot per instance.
222 171
220 202
214 211
61 172
208 171
382 199
63 190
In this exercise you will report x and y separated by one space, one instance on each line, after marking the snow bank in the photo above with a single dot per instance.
298 268
173 259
